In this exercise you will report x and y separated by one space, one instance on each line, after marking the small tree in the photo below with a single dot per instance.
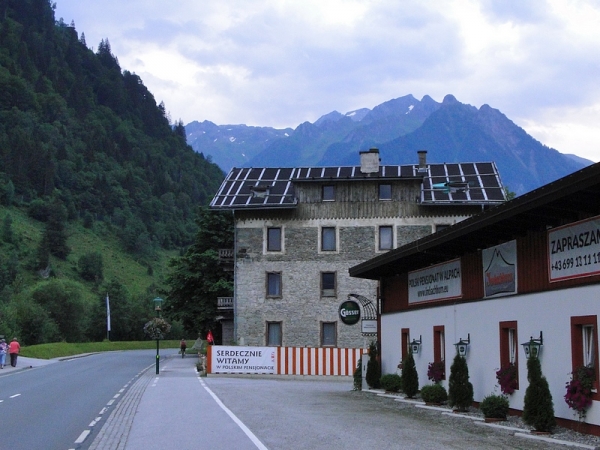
358 376
538 408
373 371
410 377
460 389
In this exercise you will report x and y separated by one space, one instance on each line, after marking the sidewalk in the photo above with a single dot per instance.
24 363
170 410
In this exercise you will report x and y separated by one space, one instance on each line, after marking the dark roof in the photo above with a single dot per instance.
261 188
569 199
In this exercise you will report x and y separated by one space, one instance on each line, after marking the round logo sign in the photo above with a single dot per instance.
350 312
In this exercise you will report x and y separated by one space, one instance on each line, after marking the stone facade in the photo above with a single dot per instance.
292 296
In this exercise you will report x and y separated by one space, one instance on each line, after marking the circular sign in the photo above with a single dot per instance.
350 312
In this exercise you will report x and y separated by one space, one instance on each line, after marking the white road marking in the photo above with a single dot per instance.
117 396
238 422
95 421
103 410
13 396
110 402
82 437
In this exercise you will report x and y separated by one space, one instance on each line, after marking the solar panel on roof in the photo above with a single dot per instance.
468 168
254 174
407 171
476 194
453 170
345 172
278 188
484 168
285 174
437 170
269 174
330 172
495 194
489 181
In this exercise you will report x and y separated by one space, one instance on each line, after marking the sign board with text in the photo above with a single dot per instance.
439 282
574 250
226 359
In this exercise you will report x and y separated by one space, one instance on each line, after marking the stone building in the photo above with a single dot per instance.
299 230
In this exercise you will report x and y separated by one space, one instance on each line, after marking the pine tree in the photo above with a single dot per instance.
410 377
538 408
460 389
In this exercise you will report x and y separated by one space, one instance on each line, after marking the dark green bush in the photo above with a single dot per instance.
460 389
391 382
358 376
373 370
91 266
494 406
410 377
434 393
538 408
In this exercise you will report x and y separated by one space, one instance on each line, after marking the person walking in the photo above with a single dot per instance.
13 349
3 351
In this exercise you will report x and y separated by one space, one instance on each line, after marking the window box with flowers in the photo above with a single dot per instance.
436 371
580 390
507 379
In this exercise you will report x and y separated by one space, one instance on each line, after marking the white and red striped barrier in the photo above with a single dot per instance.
283 360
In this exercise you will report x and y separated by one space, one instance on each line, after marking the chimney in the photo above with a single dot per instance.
422 160
369 161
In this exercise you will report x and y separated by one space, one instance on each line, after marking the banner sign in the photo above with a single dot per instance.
439 282
242 359
368 326
500 269
574 250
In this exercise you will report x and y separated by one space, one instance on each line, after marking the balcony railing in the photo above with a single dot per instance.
225 303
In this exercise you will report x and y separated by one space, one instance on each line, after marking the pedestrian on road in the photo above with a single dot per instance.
13 349
182 347
3 351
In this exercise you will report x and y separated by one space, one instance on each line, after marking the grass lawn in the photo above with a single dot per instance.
60 349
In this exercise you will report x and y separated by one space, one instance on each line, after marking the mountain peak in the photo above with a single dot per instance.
450 100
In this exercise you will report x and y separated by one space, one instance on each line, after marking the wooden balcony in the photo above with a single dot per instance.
226 259
225 303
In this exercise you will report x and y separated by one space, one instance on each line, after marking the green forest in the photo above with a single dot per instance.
98 189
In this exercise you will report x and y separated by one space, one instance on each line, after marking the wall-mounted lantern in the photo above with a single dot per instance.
462 346
533 346
415 346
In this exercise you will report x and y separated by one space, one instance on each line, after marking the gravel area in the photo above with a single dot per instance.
559 433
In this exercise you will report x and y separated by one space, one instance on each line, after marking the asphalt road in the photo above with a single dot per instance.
49 407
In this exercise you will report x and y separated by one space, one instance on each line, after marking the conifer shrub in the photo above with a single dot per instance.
434 393
410 377
373 371
538 408
391 382
357 376
460 389
494 406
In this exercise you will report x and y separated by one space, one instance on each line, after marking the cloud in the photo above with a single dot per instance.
282 62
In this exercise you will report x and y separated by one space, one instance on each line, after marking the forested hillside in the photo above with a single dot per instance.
84 151
76 128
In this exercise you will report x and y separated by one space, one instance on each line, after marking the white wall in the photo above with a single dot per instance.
549 312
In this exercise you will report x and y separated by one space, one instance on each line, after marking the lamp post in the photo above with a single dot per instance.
462 346
533 346
157 303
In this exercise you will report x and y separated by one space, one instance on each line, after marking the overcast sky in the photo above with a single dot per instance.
283 62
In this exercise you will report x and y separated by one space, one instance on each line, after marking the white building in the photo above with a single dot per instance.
298 230
529 268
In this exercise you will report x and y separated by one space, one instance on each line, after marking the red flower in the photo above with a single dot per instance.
507 379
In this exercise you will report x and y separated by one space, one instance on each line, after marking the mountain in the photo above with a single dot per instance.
79 132
450 131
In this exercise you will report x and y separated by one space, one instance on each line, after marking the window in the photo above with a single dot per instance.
509 345
584 345
328 239
386 238
274 334
439 347
328 193
328 334
405 343
273 239
328 288
385 192
273 284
